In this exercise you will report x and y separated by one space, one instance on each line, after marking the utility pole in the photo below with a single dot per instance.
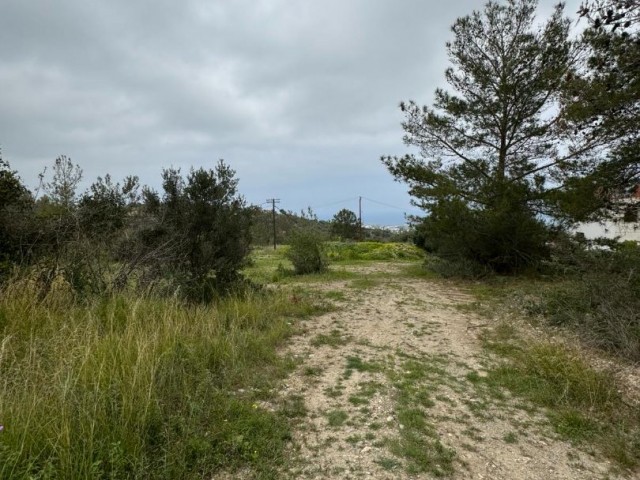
360 217
273 202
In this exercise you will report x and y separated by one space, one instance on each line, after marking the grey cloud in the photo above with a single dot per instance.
289 92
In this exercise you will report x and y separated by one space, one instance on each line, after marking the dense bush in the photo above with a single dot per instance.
203 228
457 268
306 252
16 211
192 239
506 238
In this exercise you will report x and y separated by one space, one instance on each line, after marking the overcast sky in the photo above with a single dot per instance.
300 97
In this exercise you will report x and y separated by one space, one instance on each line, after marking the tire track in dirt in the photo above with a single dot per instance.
356 364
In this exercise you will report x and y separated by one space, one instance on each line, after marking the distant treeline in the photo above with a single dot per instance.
338 228
194 236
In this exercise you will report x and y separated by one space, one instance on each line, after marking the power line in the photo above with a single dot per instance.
335 203
385 204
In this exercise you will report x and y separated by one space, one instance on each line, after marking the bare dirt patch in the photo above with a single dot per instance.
388 384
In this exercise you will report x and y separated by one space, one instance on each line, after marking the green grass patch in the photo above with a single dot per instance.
336 418
388 464
356 363
418 442
294 407
140 387
312 371
423 454
336 295
334 339
367 251
334 392
583 404
420 271
354 439
364 283
358 400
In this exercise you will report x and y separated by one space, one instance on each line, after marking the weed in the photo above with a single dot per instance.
358 400
388 463
333 339
334 392
312 371
510 437
294 407
583 404
336 418
356 363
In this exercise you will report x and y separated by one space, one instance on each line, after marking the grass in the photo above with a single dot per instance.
313 371
140 387
334 392
388 464
356 363
294 407
334 339
354 439
273 266
336 418
364 283
418 442
423 453
584 405
347 252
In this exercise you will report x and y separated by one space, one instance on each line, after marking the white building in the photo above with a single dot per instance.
627 227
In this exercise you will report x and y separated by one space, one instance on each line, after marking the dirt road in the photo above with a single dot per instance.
390 385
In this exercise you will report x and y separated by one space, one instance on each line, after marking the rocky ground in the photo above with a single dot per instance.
388 385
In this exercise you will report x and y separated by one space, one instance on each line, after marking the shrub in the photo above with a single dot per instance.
197 235
506 238
306 252
457 268
599 296
16 219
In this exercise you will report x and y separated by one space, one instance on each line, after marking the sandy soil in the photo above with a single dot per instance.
389 322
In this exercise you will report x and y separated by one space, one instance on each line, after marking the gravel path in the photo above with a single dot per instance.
393 369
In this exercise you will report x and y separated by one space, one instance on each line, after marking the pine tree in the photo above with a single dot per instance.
496 144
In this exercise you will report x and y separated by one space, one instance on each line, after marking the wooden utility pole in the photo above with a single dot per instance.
360 217
273 202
